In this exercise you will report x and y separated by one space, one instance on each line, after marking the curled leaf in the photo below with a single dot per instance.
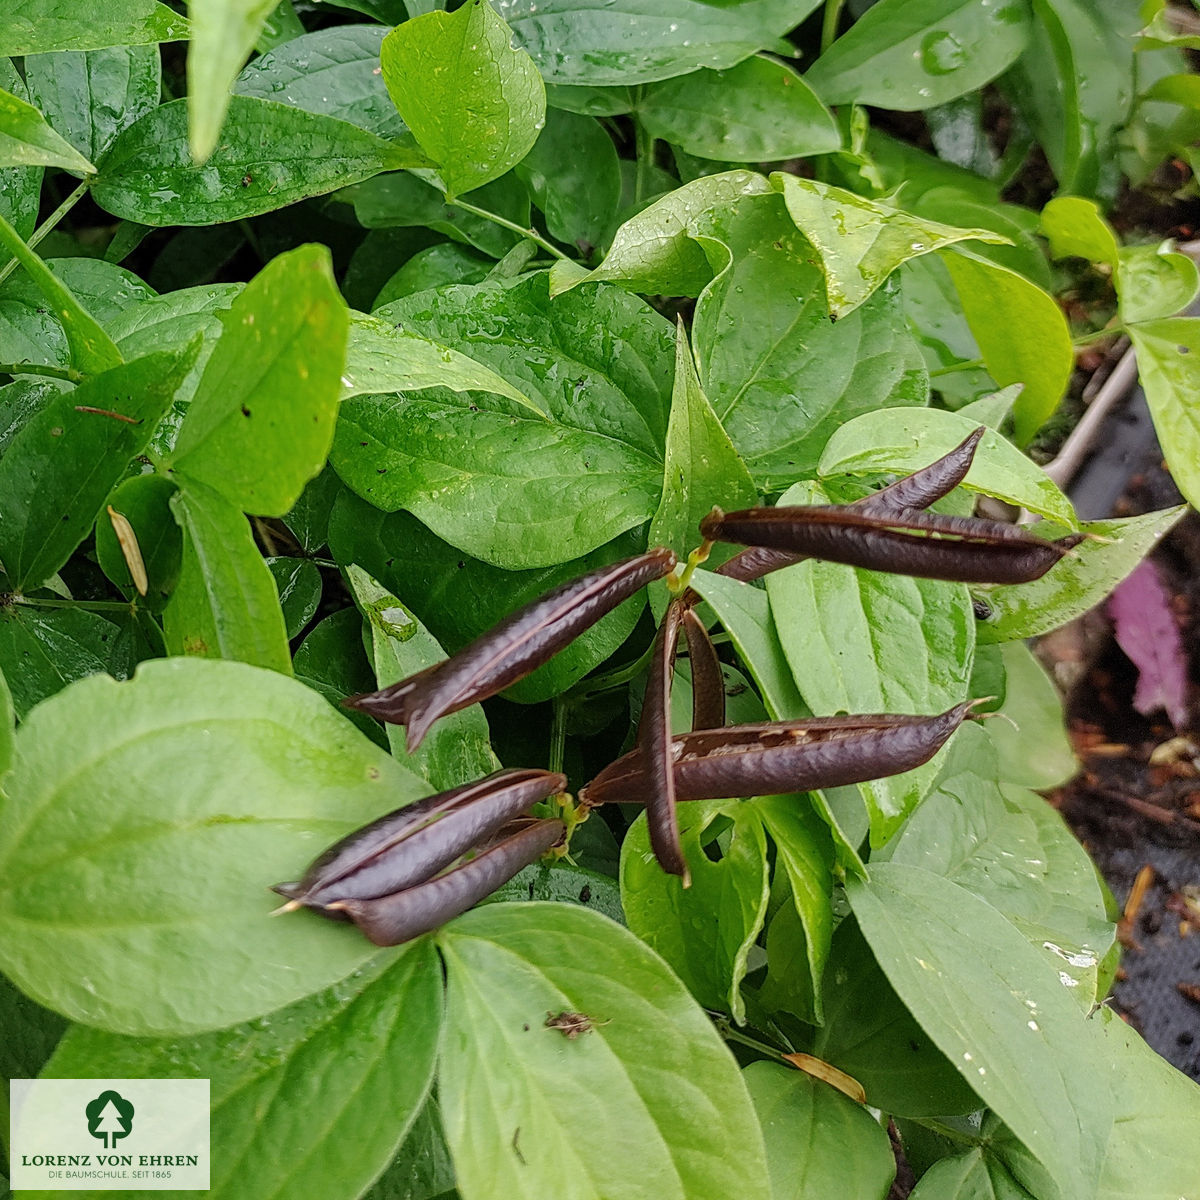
512 649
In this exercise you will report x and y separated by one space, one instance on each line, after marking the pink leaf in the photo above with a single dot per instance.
1146 630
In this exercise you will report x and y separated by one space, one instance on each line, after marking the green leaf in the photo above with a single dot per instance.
745 613
457 597
41 25
1022 335
869 1034
43 650
269 155
334 72
90 96
805 851
223 35
473 102
781 376
863 641
26 140
261 422
860 242
20 187
382 357
758 111
1075 227
640 41
458 749
704 931
7 720
421 1169
31 1034
1171 375
574 177
702 468
298 582
997 1011
225 604
819 1142
652 1075
434 267
656 251
500 482
145 502
904 440
909 55
1077 583
352 1124
143 825
59 469
332 661
92 350
1155 282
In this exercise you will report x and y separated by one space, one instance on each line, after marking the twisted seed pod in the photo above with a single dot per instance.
411 844
654 748
708 684
918 490
782 756
390 920
922 544
514 648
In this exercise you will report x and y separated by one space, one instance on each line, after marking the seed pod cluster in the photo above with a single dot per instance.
411 870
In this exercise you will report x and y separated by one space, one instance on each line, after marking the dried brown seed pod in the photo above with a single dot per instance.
390 920
782 756
512 649
708 684
409 845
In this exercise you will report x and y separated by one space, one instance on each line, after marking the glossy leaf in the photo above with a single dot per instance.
406 557
112 918
42 25
819 1142
298 582
148 174
860 242
60 467
758 111
145 502
27 140
20 187
782 377
1022 335
225 604
1074 226
473 101
223 33
904 440
362 1111
457 749
493 478
727 899
639 41
90 96
334 71
1155 282
261 422
7 718
1028 1054
573 175
652 1062
910 56
332 661
1077 583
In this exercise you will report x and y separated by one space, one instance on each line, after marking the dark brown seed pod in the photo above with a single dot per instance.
512 649
923 544
918 490
397 918
411 844
708 684
654 748
783 756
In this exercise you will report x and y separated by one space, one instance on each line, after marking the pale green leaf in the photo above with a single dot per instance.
27 140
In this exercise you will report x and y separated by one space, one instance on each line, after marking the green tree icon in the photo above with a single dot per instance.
109 1117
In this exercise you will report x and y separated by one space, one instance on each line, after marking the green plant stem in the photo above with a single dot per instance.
614 679
86 605
727 1031
558 734
48 224
833 10
496 219
67 373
